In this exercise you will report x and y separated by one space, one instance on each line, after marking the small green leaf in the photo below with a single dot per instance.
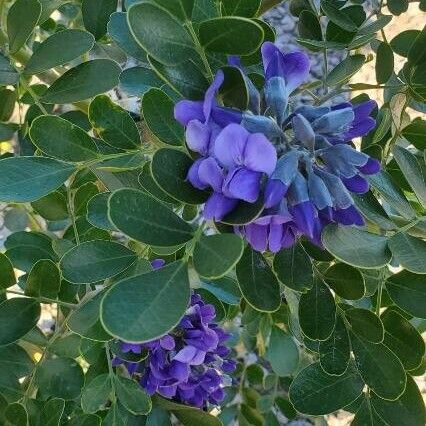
316 393
61 139
415 133
16 360
384 63
21 20
44 280
8 75
145 219
52 206
96 393
60 48
234 90
131 308
294 268
380 368
16 415
377 25
83 82
346 281
132 396
158 112
244 213
257 282
247 8
96 15
408 291
7 274
365 324
409 252
317 312
24 179
339 16
342 72
231 35
282 353
225 289
215 255
85 420
138 80
356 247
52 412
402 42
96 260
97 211
396 7
309 26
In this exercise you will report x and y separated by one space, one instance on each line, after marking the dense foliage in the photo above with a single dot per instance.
245 249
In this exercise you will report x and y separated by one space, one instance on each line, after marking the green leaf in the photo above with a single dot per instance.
160 33
158 112
244 213
44 280
225 289
169 169
60 377
21 20
316 393
317 312
367 416
82 196
96 15
24 179
396 7
52 206
61 139
119 31
408 291
97 211
17 317
16 415
403 339
83 82
309 26
16 360
380 368
338 16
412 170
231 35
7 103
282 353
131 308
138 80
234 90
335 351
7 274
415 133
95 261
247 8
342 72
85 420
143 218
257 282
148 183
365 324
85 320
392 194
384 63
60 48
8 74
356 247
409 252
377 25
132 396
346 281
66 346
408 410
96 393
215 255
113 124
52 412
294 268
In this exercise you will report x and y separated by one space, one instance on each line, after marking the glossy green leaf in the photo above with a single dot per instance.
244 213
113 124
138 80
158 112
317 312
7 274
231 35
58 49
234 90
225 289
8 75
309 26
21 20
335 351
403 41
356 247
294 268
61 139
409 252
396 7
338 16
44 280
403 339
169 169
365 324
82 196
96 260
145 219
215 255
131 308
96 15
24 179
95 394
60 377
148 183
315 392
282 353
257 282
97 211
52 412
346 281
132 396
160 33
377 25
408 291
52 206
83 82
384 63
17 317
342 72
380 368
415 133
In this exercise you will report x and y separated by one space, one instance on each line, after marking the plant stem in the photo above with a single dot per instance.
70 204
46 299
28 88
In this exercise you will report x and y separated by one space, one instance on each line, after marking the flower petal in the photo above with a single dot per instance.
242 184
259 154
193 177
211 174
356 184
197 136
185 111
218 206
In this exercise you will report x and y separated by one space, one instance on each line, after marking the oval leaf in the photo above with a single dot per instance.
346 281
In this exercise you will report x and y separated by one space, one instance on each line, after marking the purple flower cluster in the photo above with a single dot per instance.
189 364
301 163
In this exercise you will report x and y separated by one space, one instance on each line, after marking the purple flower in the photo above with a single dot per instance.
188 365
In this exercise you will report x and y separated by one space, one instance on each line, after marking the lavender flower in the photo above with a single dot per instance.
189 364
